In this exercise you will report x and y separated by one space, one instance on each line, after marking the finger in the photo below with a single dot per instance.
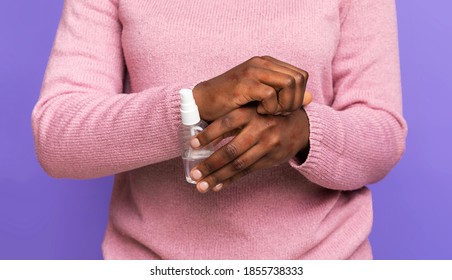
263 108
258 165
226 154
307 98
269 106
270 78
195 144
269 102
285 64
300 76
284 84
287 98
296 94
215 181
221 128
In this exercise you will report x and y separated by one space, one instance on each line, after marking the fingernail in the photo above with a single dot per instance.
195 143
218 187
196 174
203 186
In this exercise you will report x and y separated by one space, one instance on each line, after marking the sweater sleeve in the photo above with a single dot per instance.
358 138
84 126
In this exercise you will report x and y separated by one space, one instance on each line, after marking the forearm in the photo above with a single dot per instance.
80 135
353 147
357 138
83 124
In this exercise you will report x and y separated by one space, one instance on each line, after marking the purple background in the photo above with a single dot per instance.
45 218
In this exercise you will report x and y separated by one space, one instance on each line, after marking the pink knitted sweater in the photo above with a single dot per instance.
109 105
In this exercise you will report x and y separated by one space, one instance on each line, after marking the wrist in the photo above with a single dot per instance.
197 95
303 153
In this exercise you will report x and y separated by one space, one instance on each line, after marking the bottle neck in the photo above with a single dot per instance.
188 109
190 117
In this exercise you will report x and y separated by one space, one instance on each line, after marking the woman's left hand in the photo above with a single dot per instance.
260 141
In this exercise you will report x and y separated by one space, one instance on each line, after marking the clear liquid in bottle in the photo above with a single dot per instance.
192 159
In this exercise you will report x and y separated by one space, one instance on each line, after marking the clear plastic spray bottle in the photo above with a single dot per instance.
191 125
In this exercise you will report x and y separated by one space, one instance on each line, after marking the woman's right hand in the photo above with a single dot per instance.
278 86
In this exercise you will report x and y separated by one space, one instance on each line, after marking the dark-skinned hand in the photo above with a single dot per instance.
260 141
280 88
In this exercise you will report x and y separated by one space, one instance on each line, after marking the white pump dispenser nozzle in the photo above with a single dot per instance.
188 109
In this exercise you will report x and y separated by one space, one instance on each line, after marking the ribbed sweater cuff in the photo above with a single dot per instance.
327 137
173 112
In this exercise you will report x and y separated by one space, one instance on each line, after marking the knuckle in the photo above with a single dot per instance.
286 107
255 60
248 71
275 142
269 123
227 122
249 140
252 84
269 93
265 61
299 78
239 164
230 151
269 144
290 82
305 75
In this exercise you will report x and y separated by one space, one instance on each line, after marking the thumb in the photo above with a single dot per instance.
307 98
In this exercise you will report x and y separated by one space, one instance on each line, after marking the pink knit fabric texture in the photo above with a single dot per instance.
109 105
